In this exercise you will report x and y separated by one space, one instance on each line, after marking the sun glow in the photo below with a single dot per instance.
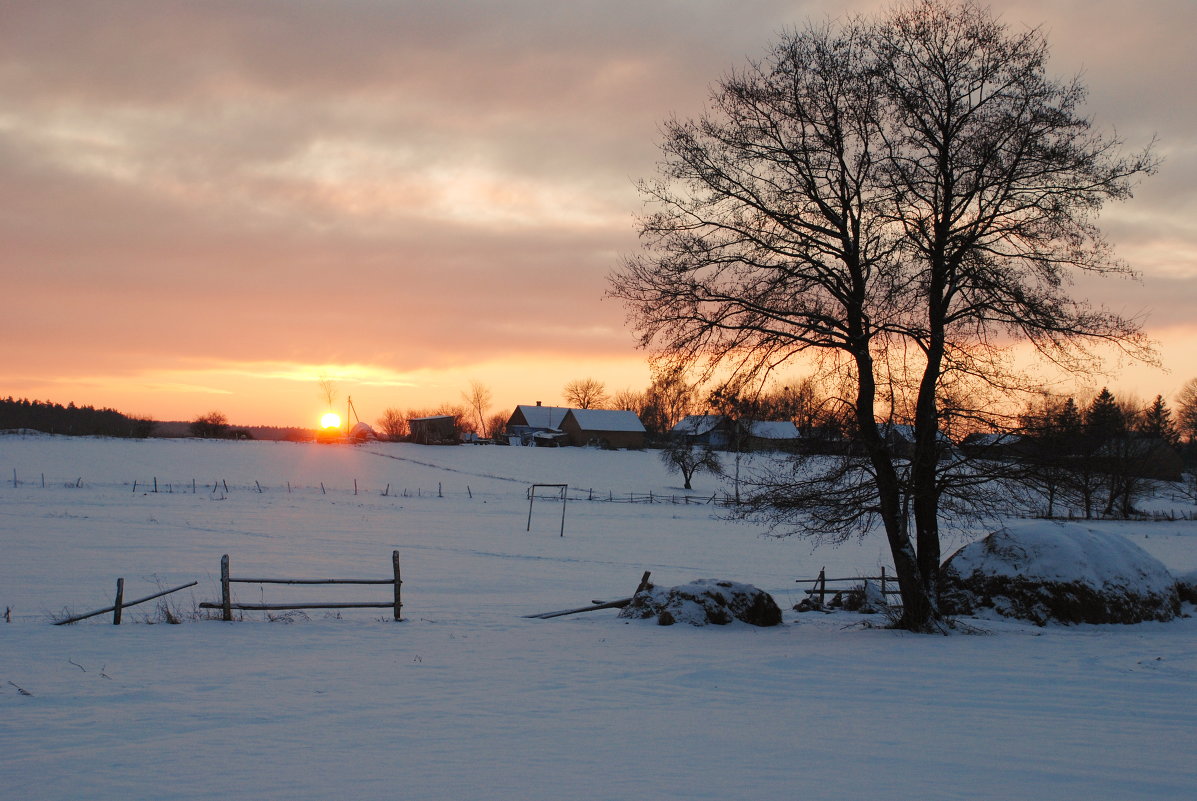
330 420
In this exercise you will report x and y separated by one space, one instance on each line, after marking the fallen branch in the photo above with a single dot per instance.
620 604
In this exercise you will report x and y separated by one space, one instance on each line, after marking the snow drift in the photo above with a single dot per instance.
1045 572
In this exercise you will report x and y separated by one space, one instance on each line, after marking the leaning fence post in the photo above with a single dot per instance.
398 585
226 597
120 601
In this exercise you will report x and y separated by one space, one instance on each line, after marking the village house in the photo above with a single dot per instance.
526 422
770 435
711 430
607 428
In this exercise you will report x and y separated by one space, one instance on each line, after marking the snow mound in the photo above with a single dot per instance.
1044 572
703 602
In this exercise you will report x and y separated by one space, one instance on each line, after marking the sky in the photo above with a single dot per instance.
212 206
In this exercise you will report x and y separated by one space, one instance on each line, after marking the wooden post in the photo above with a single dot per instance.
398 586
884 597
226 596
120 602
822 582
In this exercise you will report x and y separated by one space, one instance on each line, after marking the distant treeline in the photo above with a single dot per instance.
54 418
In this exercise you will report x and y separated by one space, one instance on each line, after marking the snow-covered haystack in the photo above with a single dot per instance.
705 601
362 432
1045 572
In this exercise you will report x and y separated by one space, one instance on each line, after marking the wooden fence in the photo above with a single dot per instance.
121 604
227 606
819 585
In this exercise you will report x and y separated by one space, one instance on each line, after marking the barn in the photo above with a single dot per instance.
607 428
439 429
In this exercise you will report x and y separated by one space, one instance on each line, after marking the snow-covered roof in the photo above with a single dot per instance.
543 416
607 420
989 439
772 429
905 432
698 424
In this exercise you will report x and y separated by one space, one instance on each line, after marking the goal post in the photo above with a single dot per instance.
562 493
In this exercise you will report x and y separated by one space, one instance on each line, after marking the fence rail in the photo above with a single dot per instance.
227 605
819 585
121 604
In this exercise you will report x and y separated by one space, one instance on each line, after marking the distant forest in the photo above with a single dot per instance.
88 421
54 418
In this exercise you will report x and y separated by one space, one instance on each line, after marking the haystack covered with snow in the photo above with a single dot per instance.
1050 572
705 601
362 432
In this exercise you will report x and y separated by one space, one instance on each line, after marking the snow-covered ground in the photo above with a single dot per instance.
467 699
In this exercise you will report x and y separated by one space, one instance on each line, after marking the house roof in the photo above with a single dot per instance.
772 429
606 420
543 416
698 424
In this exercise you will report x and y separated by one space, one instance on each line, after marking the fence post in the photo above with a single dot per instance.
398 585
226 597
120 600
822 586
884 597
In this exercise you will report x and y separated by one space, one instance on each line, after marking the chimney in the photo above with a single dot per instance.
537 403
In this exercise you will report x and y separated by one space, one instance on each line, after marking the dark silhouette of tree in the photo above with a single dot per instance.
1157 422
1186 405
901 198
680 454
585 393
72 420
213 425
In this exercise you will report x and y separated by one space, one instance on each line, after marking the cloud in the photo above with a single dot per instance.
419 187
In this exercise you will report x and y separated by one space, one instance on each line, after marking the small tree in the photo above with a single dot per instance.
212 425
393 425
495 425
682 456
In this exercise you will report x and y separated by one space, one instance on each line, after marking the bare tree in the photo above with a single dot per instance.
495 425
585 393
479 399
628 400
328 390
393 424
683 456
1186 407
900 198
212 425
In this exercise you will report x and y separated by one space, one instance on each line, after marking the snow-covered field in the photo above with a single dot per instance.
467 699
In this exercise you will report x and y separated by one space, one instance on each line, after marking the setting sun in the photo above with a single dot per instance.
330 420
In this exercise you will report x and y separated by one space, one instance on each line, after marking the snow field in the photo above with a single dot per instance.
467 699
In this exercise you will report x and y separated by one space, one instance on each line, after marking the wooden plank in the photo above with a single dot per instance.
620 604
262 607
125 605
234 580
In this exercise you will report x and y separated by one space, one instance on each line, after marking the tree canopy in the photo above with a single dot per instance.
900 197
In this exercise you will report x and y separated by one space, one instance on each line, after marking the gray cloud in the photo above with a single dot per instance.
413 182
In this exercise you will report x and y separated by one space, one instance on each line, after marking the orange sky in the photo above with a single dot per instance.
209 206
